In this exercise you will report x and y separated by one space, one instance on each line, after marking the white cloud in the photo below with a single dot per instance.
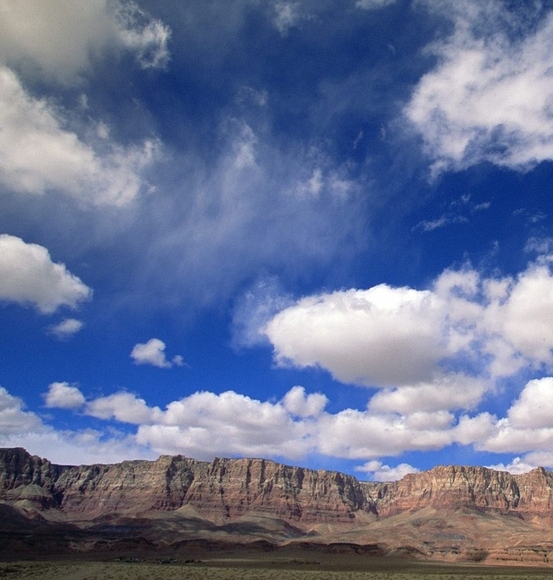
517 466
381 472
13 419
63 37
28 276
298 403
380 336
145 36
20 428
373 4
459 213
489 98
63 396
38 154
205 424
362 434
447 392
86 446
254 309
66 328
387 336
124 407
286 16
153 353
534 407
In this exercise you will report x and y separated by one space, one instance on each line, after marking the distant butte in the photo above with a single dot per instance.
448 513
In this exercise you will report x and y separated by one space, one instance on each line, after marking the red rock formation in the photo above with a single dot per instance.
221 489
467 513
230 488
453 487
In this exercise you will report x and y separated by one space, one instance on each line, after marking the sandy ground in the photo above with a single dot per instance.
243 570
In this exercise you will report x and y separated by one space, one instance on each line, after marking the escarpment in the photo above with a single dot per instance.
223 488
235 487
452 512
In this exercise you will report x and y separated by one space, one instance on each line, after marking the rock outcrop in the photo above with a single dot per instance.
224 488
469 513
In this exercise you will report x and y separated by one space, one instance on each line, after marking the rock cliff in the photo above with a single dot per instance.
446 512
453 487
224 488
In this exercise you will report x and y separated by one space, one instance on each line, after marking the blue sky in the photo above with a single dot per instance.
313 231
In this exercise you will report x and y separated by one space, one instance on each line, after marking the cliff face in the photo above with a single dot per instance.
223 488
453 487
445 488
229 488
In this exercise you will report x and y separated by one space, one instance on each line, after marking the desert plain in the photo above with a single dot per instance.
334 568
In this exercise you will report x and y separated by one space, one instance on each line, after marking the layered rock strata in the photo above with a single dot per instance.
225 489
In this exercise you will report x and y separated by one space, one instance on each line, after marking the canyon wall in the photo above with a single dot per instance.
229 488
223 488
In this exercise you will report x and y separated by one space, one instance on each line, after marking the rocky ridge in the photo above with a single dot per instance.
222 489
447 512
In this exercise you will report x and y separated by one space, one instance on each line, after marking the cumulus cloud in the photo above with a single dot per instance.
63 396
205 424
527 427
13 418
66 328
380 472
447 392
380 336
28 276
517 466
62 37
21 428
124 407
534 407
38 154
357 434
489 97
153 353
387 336
298 403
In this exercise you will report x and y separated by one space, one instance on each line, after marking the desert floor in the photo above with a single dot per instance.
258 570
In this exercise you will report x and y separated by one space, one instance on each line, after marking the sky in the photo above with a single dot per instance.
313 231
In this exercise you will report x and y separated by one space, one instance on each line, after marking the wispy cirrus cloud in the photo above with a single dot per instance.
373 4
488 98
